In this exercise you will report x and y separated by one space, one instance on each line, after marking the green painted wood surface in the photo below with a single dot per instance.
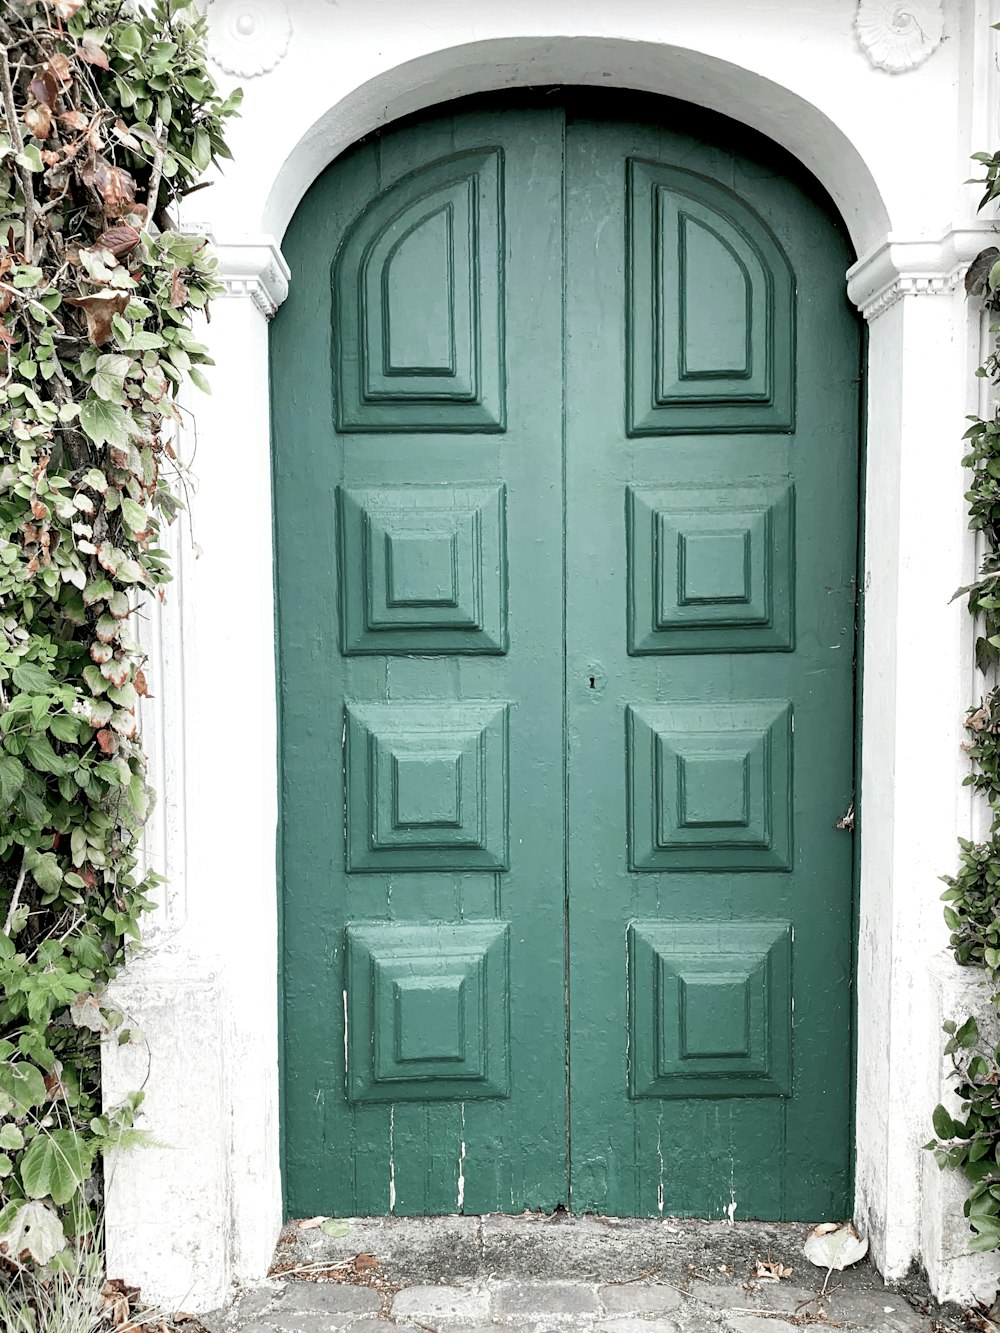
565 451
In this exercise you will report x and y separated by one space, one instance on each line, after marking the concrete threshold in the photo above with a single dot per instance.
538 1274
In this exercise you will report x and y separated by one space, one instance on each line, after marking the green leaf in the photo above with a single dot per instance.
128 40
41 756
24 1084
47 873
944 1126
333 1226
11 1137
104 423
33 1227
55 1165
134 515
109 377
11 780
199 380
30 158
31 678
968 1034
65 729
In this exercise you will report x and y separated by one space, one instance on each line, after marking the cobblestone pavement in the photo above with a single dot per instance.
469 1275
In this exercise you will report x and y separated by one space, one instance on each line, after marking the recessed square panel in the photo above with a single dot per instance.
423 569
426 786
427 790
430 1018
710 1009
713 788
710 786
713 568
427 1011
715 1015
710 570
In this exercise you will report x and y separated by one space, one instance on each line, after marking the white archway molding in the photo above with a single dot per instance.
689 75
202 1209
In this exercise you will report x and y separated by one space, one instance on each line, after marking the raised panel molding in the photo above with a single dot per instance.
426 786
419 303
710 786
711 310
711 570
427 1011
710 1009
423 569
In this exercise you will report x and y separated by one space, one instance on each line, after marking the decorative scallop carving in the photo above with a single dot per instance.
248 37
897 35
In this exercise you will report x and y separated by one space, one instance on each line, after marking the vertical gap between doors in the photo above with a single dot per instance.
565 665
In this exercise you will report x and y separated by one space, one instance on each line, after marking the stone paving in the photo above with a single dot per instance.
524 1276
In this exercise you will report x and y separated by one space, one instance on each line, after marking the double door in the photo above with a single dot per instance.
566 482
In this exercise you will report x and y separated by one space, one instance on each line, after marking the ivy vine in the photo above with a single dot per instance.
971 1143
108 116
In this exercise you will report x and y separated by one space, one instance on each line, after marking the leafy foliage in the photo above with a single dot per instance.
972 898
108 115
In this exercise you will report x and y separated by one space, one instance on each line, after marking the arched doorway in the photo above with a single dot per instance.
565 403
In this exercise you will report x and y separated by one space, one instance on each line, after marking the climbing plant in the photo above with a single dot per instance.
971 1143
108 117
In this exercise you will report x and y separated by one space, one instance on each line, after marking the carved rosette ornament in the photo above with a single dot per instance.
248 37
897 35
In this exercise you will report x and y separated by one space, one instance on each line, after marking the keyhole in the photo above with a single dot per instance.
593 684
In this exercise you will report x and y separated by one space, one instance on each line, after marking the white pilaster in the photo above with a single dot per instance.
915 689
203 1207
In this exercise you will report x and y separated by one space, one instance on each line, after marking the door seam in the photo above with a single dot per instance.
565 666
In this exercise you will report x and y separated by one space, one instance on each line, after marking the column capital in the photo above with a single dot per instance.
927 265
253 266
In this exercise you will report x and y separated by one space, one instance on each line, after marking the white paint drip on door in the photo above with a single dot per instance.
659 1158
461 1165
392 1159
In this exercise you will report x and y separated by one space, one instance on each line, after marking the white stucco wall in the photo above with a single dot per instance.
201 1210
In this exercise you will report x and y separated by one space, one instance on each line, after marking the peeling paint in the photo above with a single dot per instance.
392 1159
461 1164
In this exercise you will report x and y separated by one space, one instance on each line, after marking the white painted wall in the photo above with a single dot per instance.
201 1210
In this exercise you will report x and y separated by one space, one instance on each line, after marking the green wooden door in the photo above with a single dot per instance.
565 432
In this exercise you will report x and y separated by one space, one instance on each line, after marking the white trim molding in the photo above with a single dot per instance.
901 266
253 266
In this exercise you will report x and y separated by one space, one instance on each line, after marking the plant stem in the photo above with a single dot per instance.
10 112
155 176
15 901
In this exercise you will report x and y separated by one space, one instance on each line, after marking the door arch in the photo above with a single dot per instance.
566 556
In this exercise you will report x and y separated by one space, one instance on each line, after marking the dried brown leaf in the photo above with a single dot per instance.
99 309
39 120
107 741
59 67
93 52
178 290
44 87
115 186
121 240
